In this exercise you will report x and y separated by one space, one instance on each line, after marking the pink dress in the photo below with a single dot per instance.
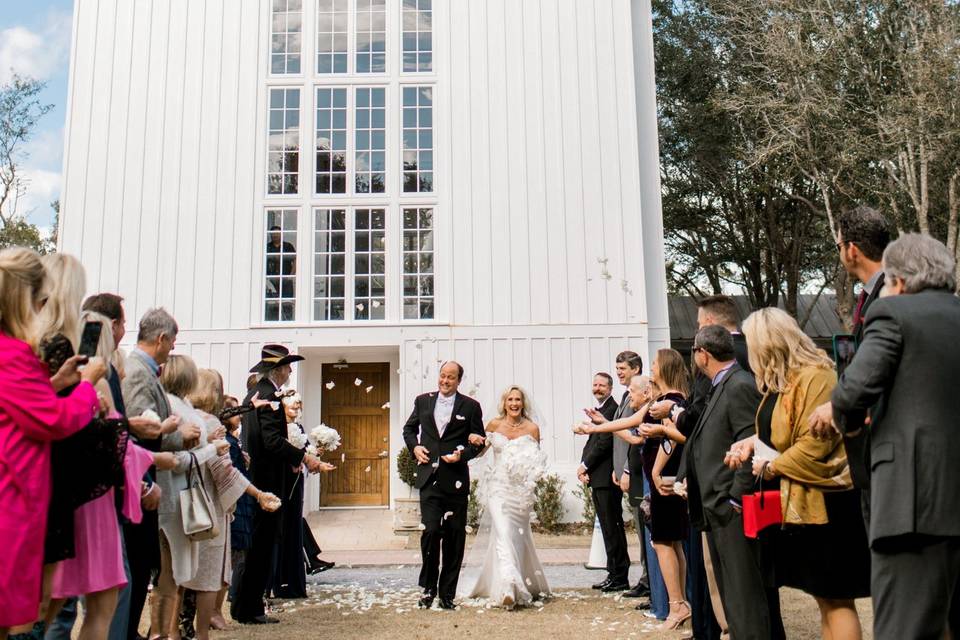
31 416
98 563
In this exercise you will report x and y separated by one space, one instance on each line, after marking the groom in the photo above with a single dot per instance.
437 435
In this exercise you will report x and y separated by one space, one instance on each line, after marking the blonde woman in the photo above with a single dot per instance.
822 549
31 416
503 566
204 567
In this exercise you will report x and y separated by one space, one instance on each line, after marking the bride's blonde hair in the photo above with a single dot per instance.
502 407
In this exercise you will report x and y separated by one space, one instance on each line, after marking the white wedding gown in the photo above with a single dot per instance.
503 567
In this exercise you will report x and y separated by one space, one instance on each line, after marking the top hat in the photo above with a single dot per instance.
273 356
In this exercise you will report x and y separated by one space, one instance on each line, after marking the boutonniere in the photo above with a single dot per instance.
274 405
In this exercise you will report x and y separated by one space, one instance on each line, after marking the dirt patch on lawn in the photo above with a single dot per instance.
351 612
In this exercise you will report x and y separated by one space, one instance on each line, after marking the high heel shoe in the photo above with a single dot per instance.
676 620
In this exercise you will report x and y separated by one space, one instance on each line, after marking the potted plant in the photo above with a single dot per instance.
406 516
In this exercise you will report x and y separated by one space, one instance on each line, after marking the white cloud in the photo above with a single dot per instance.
45 149
41 188
37 53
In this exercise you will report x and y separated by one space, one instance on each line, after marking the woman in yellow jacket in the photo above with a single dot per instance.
822 548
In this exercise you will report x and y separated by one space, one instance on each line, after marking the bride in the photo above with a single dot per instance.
503 566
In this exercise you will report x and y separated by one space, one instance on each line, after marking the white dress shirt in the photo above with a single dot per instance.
443 411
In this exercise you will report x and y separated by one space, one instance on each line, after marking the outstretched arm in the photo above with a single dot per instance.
617 425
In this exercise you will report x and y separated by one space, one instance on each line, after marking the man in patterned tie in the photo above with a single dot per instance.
862 235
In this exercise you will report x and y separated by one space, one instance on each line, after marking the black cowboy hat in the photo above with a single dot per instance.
273 356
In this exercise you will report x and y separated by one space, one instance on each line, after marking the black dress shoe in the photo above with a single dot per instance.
264 619
447 603
615 586
639 591
601 585
319 566
426 601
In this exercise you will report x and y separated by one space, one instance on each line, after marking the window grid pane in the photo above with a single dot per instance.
369 260
418 139
286 34
332 31
329 272
371 34
417 36
371 141
331 137
418 274
280 269
283 161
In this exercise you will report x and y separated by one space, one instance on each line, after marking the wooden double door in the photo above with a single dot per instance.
354 406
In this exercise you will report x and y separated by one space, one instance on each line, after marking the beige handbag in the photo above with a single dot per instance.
196 508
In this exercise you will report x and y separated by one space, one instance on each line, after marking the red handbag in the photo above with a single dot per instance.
761 509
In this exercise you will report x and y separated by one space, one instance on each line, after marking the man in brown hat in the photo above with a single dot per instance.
265 433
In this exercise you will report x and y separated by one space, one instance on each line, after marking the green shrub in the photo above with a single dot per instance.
548 504
586 496
474 508
407 467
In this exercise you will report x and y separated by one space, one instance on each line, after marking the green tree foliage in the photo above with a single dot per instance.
20 111
777 114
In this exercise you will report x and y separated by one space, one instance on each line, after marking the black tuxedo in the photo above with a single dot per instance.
421 429
597 458
444 488
271 457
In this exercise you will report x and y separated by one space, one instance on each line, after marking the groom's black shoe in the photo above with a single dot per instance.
601 585
615 586
639 591
447 603
426 600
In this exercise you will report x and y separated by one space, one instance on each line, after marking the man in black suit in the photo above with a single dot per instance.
708 618
862 236
271 455
714 491
907 367
443 433
596 469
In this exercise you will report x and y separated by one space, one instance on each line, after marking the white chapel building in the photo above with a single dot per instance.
380 185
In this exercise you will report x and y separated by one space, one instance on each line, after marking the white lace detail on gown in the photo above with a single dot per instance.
503 567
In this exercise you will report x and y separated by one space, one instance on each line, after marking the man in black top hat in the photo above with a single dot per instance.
265 433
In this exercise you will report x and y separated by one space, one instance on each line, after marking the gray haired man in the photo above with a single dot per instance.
142 391
905 374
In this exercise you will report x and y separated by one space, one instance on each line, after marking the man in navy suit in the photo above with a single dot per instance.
437 434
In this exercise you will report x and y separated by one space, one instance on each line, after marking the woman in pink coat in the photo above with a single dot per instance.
31 416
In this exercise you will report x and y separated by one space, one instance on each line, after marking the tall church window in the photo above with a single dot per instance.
280 269
417 21
286 37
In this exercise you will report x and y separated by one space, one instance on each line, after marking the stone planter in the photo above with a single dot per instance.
406 513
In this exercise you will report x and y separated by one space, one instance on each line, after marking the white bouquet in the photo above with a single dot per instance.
296 436
524 463
323 437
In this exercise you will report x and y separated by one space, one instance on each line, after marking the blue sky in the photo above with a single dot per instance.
35 41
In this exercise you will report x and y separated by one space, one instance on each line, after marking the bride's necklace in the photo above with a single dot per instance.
515 425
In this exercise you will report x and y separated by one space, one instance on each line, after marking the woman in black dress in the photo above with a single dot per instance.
289 574
822 548
669 523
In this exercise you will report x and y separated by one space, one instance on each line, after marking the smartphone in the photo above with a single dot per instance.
90 338
844 348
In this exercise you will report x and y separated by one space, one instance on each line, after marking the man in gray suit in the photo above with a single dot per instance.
628 365
142 391
714 491
909 363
